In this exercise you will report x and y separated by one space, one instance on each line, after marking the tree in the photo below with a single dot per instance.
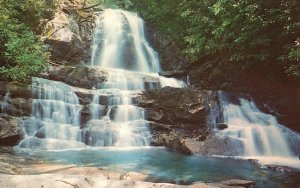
243 33
22 55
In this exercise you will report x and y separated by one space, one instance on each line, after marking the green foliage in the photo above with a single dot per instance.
242 33
22 55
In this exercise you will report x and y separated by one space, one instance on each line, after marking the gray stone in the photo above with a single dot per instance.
10 131
176 105
86 77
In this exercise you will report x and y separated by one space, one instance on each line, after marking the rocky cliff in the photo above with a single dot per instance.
69 33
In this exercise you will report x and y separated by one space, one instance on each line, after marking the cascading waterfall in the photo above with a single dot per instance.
120 49
55 119
262 136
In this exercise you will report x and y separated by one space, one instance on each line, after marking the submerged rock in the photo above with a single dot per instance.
235 183
279 168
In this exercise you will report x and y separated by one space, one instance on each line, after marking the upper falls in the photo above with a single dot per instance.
119 42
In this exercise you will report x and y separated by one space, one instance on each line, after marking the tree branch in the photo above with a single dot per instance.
85 8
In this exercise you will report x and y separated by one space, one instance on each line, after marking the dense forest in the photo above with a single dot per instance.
239 34
242 34
21 53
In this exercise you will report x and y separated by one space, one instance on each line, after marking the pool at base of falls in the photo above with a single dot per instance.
162 165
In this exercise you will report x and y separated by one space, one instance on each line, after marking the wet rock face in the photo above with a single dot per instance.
177 105
86 77
15 99
58 73
79 76
15 89
178 116
10 131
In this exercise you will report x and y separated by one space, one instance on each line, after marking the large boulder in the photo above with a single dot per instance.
19 106
214 144
69 33
177 105
86 77
10 131
15 98
176 115
58 73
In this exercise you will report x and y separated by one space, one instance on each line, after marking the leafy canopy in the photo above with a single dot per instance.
241 33
22 55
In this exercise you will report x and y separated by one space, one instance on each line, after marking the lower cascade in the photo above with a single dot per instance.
260 134
120 49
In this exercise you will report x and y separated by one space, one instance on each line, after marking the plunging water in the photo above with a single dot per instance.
263 138
120 49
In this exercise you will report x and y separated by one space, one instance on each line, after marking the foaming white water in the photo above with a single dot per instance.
55 117
119 42
263 138
120 47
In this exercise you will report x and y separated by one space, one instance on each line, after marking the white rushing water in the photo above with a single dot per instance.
263 138
120 49
55 117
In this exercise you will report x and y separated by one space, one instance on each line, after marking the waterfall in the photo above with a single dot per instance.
120 49
120 42
55 119
263 138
